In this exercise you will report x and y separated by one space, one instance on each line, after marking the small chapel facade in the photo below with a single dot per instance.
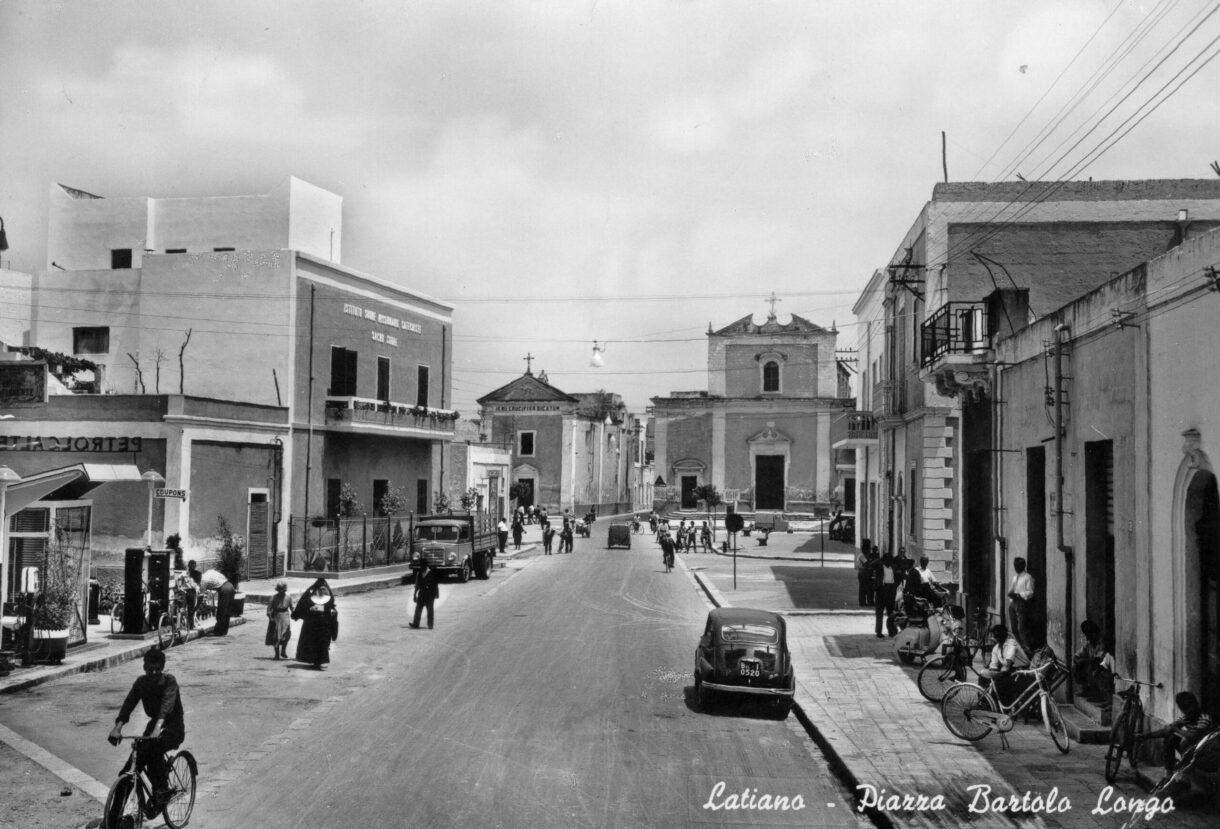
761 433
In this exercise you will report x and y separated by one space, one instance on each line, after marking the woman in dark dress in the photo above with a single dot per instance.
319 624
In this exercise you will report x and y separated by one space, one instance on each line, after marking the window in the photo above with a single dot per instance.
380 487
175 250
525 444
383 378
771 376
915 509
91 340
342 372
421 396
120 258
421 495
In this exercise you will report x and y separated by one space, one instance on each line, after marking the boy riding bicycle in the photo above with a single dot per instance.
157 692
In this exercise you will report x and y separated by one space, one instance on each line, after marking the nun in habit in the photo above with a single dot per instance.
319 624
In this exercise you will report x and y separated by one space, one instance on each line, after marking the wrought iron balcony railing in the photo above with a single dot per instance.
955 328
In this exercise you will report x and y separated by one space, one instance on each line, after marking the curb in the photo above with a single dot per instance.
101 663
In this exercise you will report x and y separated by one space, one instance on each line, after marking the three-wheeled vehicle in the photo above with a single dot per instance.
618 535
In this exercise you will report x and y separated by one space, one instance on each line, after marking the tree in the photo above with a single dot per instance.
708 494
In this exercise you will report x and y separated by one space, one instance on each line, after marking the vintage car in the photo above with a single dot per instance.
618 535
745 651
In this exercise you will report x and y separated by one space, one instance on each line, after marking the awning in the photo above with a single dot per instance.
68 483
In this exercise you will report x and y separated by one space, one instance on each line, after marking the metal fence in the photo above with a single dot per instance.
342 544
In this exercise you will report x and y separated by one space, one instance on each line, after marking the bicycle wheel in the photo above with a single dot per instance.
116 617
123 807
165 632
1055 724
1120 743
937 676
179 626
182 780
960 707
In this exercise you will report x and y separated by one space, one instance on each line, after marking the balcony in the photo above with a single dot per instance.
852 429
362 414
956 354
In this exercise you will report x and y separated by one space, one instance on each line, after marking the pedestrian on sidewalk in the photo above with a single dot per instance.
864 577
1020 600
213 579
566 536
548 538
887 589
705 536
157 693
319 624
502 535
426 593
279 620
518 529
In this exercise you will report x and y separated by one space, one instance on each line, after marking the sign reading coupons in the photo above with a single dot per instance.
161 492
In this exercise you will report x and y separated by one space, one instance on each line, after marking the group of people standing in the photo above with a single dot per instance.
884 580
686 538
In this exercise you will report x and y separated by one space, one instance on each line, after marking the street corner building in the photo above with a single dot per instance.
583 452
761 432
1036 361
212 357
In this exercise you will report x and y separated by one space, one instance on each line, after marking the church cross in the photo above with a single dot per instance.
772 300
529 362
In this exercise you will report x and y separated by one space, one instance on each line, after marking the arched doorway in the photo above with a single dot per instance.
1201 533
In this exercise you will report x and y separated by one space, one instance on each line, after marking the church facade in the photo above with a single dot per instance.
568 451
761 433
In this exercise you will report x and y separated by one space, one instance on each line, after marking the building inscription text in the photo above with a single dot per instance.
38 443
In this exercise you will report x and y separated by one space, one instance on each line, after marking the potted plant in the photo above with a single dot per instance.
230 561
55 609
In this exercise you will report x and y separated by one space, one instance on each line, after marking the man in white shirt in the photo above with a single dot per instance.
1020 598
1007 656
215 580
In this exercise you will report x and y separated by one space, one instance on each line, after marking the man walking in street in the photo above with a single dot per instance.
213 579
426 592
1020 595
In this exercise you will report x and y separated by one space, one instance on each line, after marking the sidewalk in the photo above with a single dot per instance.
102 651
864 710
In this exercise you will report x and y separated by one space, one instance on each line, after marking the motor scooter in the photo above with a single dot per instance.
925 629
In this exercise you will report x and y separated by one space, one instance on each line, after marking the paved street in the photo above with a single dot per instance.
556 694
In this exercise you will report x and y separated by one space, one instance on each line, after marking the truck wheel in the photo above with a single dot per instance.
482 566
464 573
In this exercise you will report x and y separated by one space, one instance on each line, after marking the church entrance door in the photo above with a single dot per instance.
769 482
689 482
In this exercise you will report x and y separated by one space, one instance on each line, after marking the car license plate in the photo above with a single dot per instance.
749 669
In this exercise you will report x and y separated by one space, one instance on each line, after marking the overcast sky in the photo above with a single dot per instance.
571 171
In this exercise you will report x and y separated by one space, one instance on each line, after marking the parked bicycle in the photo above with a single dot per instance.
205 605
171 626
1191 782
118 610
1127 728
972 712
131 801
940 673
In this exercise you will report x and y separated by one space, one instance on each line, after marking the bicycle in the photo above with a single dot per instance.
205 605
668 558
130 800
942 672
171 625
1178 785
972 712
1127 729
